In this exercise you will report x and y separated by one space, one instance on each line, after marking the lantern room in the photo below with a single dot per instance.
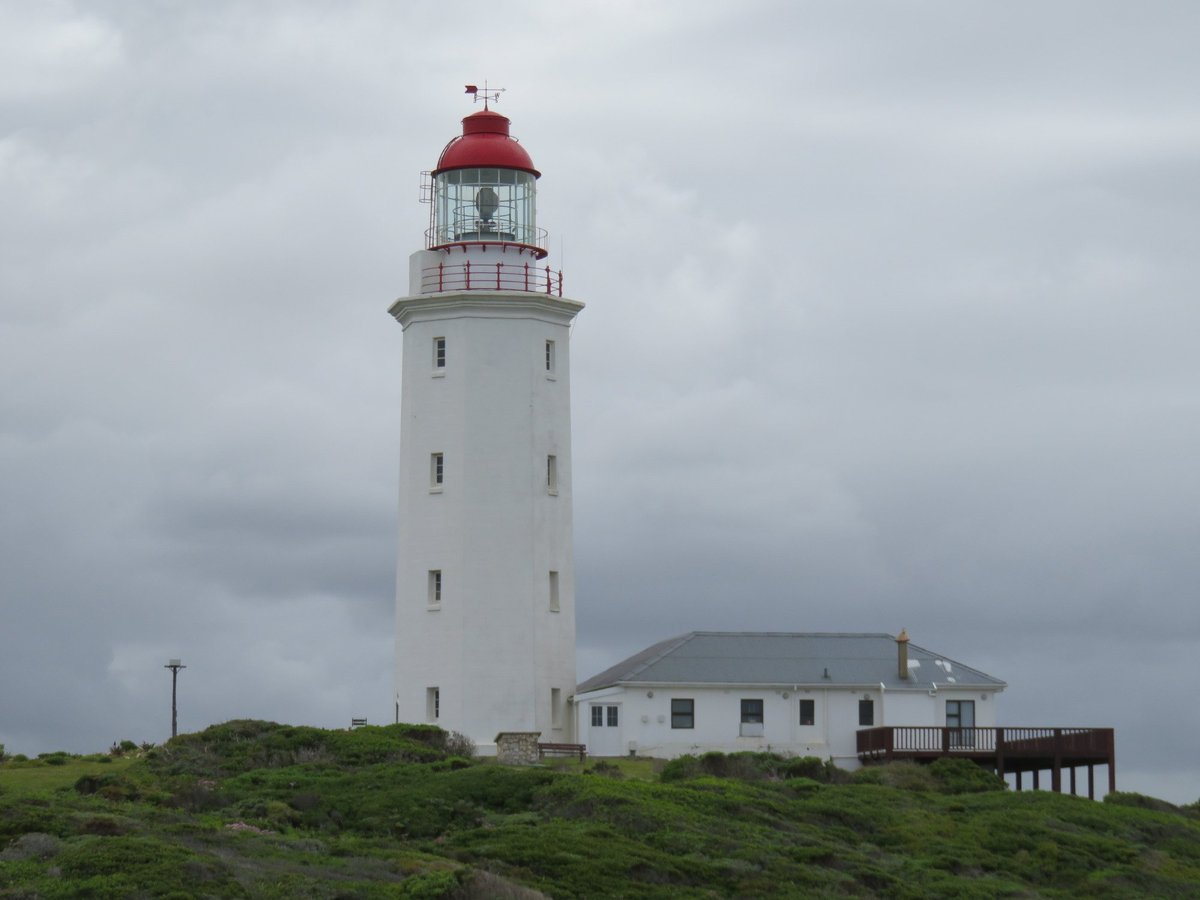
484 190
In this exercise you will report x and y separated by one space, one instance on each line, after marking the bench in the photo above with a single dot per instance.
579 750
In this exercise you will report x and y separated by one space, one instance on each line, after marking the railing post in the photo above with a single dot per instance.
548 279
467 269
498 275
946 741
1056 771
526 276
441 273
560 282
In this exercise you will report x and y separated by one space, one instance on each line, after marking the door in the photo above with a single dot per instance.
960 720
604 732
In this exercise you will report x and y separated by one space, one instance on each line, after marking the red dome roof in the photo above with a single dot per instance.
485 142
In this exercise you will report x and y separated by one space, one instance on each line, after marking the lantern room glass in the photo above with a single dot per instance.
484 205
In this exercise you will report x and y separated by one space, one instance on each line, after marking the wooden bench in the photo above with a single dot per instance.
579 750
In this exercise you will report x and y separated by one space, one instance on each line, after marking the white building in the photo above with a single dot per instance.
802 694
485 606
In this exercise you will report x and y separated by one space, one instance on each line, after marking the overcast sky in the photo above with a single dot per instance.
891 323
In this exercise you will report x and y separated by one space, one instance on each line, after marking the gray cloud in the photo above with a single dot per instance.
888 325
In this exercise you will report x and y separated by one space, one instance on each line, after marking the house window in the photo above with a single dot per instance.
612 716
555 708
549 356
683 713
752 712
960 722
439 353
808 712
866 713
597 716
554 592
552 474
433 704
437 469
434 598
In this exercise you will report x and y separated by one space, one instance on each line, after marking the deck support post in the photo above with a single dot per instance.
1091 781
1072 781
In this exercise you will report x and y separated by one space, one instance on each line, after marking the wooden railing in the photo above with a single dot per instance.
890 741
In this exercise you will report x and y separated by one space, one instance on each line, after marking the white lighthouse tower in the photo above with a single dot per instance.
485 611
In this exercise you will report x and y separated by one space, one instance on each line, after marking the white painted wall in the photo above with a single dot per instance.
493 648
645 721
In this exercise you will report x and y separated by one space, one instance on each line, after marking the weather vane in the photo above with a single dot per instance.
487 93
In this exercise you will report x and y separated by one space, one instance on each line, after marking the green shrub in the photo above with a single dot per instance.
904 776
1140 801
962 776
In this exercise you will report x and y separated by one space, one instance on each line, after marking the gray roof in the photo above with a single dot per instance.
779 658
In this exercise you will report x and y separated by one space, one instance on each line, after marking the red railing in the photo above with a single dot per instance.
499 276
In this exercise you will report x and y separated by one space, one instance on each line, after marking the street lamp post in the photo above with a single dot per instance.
174 665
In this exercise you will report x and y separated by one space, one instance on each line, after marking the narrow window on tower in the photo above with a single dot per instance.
435 589
439 353
433 704
555 708
554 592
437 471
550 356
552 474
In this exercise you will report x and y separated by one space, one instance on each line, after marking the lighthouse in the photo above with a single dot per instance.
485 601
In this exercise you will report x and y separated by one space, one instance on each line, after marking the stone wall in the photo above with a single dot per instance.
517 748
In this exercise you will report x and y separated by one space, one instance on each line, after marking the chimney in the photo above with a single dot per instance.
902 652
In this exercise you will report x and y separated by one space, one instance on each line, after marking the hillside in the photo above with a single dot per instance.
254 809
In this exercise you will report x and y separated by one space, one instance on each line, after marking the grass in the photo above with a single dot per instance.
252 809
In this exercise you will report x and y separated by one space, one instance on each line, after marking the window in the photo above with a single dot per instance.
435 588
683 713
960 722
552 474
605 716
752 719
549 356
554 592
433 704
437 469
555 708
808 712
439 353
752 712
866 713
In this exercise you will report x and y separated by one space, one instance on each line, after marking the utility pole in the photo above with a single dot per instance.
174 665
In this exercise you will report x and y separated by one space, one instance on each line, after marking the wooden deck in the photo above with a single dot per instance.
1005 750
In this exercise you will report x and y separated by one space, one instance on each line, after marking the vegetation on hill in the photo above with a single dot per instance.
254 809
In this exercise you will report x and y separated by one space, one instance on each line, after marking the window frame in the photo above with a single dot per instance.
551 473
679 716
437 471
597 715
748 716
612 716
433 599
866 713
555 603
439 354
811 705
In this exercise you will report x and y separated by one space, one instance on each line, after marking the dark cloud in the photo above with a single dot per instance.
889 325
